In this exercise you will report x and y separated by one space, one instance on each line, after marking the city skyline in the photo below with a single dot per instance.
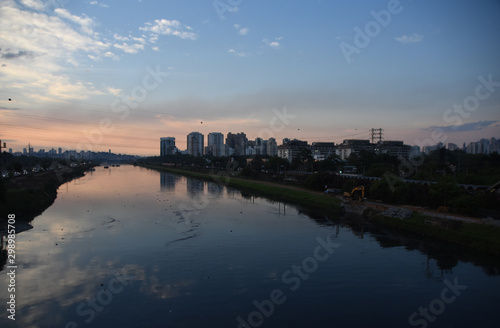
95 75
172 146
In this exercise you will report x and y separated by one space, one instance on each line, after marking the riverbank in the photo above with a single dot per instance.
28 196
295 195
470 233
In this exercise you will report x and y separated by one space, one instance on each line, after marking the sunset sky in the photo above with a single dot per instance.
119 74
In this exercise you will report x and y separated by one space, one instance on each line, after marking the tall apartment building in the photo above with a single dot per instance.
323 149
272 147
291 148
238 142
353 146
195 144
167 146
216 144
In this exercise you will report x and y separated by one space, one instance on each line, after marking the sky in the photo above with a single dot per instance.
121 74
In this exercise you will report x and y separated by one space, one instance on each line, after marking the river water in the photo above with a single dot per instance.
133 247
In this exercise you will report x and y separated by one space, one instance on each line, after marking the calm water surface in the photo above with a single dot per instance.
131 247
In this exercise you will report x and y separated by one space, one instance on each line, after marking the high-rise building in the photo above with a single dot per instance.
195 143
216 144
238 142
260 146
272 147
167 146
291 148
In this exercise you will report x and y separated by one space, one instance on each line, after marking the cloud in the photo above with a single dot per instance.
9 108
114 91
473 126
111 55
169 27
236 53
33 4
241 30
120 38
52 43
273 44
129 48
12 55
414 38
95 3
85 22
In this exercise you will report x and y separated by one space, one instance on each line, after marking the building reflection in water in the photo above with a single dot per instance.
194 186
167 181
215 189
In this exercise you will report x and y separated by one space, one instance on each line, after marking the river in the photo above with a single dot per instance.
133 247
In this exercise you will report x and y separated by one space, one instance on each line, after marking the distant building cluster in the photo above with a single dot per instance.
73 155
237 144
234 145
483 146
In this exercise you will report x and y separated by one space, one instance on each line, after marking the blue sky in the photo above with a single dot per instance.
80 74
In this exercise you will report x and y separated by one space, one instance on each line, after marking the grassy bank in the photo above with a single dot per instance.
478 236
304 198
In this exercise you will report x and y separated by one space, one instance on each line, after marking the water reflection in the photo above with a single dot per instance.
168 181
194 187
205 263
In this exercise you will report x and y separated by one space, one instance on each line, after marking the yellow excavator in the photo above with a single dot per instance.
359 195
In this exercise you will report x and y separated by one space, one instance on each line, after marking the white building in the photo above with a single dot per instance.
167 146
216 144
195 144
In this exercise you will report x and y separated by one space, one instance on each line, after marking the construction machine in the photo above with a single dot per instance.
360 195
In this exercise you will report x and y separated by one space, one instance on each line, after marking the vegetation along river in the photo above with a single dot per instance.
133 247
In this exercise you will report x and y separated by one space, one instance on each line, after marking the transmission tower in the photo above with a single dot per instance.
377 135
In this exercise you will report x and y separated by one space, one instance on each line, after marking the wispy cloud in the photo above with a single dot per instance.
236 53
95 3
473 126
13 55
114 91
129 48
414 38
84 21
241 30
274 43
52 42
169 27
33 4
